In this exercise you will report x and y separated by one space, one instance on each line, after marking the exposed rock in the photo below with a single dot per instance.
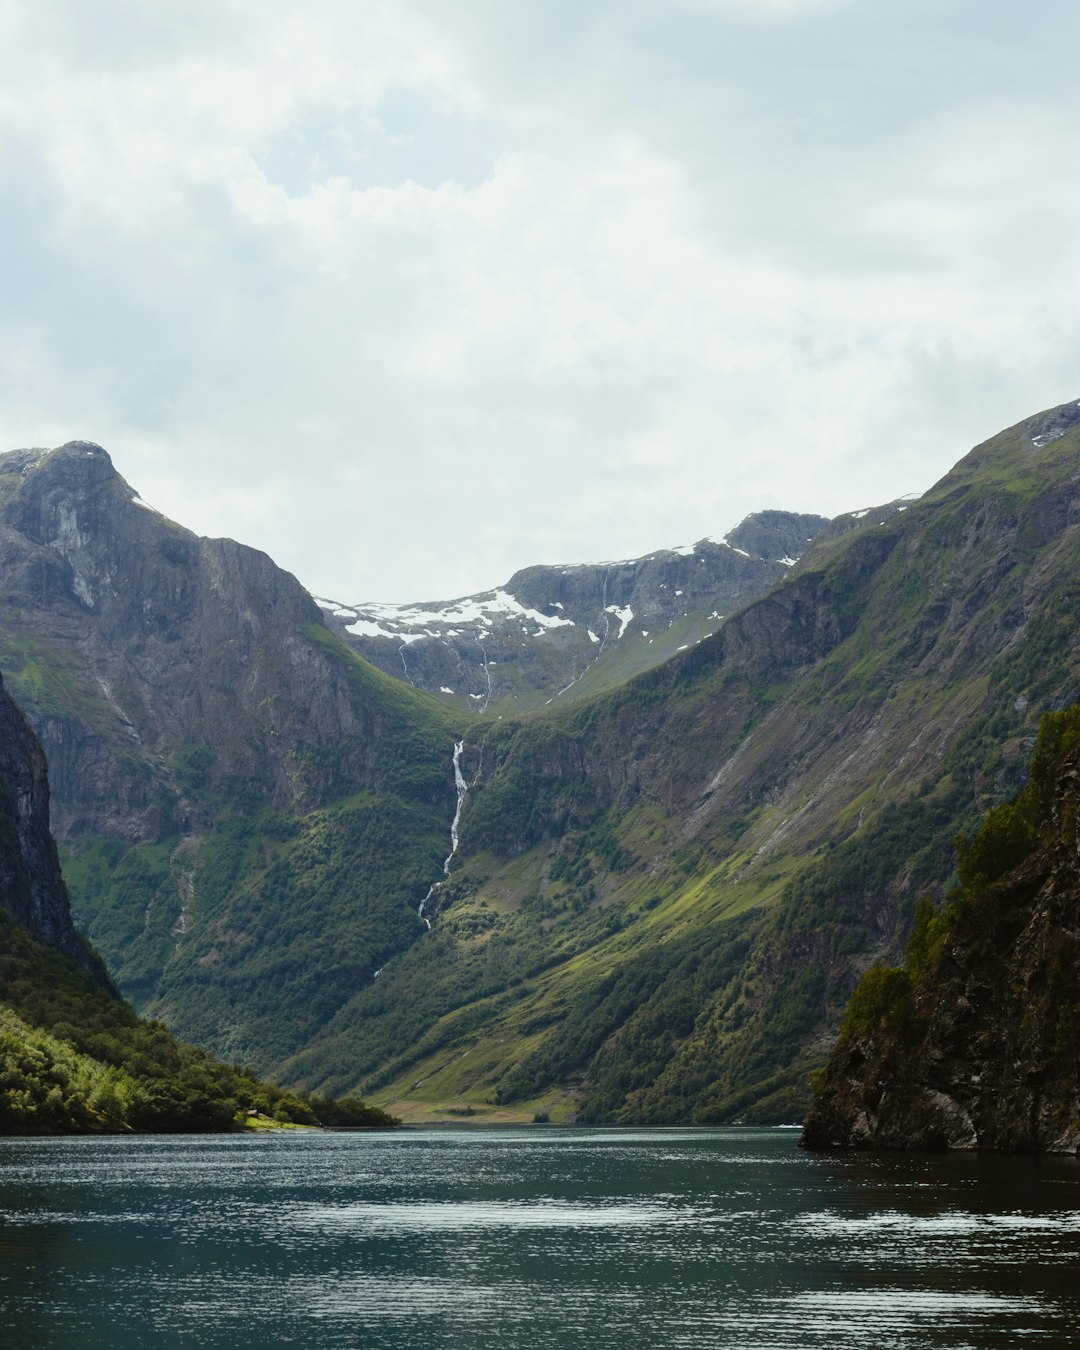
32 890
130 638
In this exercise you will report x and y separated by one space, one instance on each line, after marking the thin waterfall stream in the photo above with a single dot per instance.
462 788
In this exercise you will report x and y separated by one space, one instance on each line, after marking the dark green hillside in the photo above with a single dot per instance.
972 1042
74 1059
667 893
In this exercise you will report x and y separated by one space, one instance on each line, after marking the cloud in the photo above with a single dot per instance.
411 302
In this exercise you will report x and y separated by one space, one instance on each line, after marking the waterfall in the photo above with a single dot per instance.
487 677
461 787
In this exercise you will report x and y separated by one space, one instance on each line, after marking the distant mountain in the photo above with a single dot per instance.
557 634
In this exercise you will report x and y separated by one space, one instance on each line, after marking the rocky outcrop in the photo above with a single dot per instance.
973 1043
556 634
32 890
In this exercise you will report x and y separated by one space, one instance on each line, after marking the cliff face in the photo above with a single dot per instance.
32 890
975 1042
129 639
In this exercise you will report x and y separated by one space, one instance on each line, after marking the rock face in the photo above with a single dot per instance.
32 890
973 1044
556 634
131 640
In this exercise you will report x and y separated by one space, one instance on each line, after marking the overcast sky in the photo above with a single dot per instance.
413 294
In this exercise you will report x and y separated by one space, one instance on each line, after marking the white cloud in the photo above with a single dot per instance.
411 302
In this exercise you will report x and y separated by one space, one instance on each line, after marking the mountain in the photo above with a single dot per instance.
665 894
247 812
971 1044
559 634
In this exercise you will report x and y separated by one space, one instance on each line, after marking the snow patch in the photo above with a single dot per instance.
624 616
787 562
137 500
473 609
368 628
592 635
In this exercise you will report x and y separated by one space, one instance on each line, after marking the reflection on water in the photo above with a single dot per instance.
526 1238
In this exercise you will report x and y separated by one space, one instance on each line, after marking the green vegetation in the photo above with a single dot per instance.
72 1058
664 893
252 938
977 915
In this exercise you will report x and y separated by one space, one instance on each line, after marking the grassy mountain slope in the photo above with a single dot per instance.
667 893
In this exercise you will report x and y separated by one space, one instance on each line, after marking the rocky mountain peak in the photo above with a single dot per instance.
777 536
73 505
1049 426
557 633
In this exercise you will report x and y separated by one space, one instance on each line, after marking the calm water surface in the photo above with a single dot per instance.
530 1238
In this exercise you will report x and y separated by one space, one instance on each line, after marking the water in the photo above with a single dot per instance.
530 1238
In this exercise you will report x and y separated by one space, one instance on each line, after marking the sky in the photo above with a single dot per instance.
412 295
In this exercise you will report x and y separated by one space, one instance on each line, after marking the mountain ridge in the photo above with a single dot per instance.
559 633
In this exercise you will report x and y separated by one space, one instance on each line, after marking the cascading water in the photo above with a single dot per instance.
487 677
462 788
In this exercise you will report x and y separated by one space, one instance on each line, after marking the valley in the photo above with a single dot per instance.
663 883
